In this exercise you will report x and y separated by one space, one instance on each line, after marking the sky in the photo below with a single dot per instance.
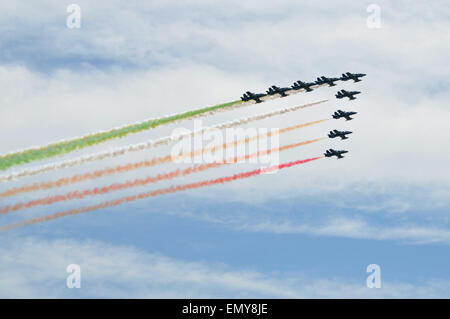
308 231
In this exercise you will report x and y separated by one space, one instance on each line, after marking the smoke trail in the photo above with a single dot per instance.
136 165
146 145
142 182
161 191
66 146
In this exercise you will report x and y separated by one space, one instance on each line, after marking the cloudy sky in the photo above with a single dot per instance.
307 231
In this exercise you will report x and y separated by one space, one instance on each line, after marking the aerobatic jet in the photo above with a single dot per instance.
331 152
338 114
302 85
341 134
275 89
352 76
252 96
350 94
329 81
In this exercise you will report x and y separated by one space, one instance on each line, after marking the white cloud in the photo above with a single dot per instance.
320 224
33 268
358 228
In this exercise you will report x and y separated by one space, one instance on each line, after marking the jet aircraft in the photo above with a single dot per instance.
302 85
329 81
331 152
352 76
252 96
347 115
275 89
350 94
341 134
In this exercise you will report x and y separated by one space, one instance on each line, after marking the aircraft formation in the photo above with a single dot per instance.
356 77
63 147
308 87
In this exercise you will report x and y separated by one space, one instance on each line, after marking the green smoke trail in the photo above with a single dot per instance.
64 147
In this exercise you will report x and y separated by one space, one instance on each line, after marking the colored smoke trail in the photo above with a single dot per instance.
146 145
142 182
161 191
137 165
66 146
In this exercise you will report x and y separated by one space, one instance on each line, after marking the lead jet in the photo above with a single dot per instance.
352 76
302 85
331 152
275 89
350 94
329 81
338 114
252 96
341 134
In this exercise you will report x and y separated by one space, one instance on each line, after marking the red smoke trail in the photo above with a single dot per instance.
161 191
142 182
137 165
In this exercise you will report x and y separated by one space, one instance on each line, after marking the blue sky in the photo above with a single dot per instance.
308 231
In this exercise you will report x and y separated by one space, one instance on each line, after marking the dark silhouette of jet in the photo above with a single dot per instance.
252 96
350 94
352 76
277 90
331 152
341 134
338 114
302 85
325 80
